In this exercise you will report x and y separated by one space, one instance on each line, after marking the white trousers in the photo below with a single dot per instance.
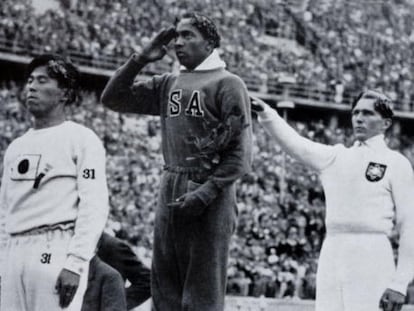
31 268
354 269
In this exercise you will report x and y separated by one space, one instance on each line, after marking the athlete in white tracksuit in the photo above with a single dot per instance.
53 199
366 186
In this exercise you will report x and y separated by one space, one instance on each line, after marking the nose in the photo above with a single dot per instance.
30 85
31 89
358 117
178 42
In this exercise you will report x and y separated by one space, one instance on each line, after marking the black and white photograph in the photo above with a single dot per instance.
207 155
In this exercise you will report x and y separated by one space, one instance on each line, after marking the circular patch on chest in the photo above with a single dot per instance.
23 166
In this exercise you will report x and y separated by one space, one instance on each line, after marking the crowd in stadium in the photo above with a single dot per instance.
280 226
334 45
274 252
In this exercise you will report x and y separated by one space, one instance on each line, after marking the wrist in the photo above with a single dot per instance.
264 117
76 264
207 192
140 59
268 114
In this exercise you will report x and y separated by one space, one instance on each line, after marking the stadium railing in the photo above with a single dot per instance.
301 93
105 62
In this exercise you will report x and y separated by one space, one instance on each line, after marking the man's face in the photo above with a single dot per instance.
190 46
366 121
42 93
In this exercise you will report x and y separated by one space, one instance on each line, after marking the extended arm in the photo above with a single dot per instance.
316 155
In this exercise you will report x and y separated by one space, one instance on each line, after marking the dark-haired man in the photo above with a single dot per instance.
366 186
206 141
54 197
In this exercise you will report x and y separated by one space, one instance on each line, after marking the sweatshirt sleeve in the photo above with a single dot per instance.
3 210
403 196
235 161
122 94
316 155
93 207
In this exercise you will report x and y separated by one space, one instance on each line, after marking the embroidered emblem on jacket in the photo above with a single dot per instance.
25 167
375 171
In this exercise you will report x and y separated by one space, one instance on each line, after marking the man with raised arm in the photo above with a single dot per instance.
366 187
206 144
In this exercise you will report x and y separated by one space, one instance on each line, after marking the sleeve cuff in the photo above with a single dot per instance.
207 192
399 286
76 264
268 114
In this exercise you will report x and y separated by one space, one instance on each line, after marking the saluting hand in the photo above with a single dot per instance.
66 287
157 48
392 300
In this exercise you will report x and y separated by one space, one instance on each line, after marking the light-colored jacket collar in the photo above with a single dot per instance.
213 61
376 141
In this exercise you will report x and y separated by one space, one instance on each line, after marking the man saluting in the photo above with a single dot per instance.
206 137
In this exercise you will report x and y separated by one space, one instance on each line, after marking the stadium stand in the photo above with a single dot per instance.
342 46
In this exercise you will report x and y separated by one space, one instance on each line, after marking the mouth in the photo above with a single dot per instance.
359 130
31 101
179 54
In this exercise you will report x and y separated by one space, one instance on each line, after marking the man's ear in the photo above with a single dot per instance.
209 46
387 123
66 97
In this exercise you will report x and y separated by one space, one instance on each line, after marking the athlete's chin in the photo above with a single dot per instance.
182 58
184 63
359 132
32 108
360 136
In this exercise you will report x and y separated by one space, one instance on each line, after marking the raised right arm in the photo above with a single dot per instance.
122 95
118 94
314 154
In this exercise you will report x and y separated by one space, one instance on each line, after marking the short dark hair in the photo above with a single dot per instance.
382 104
205 26
61 69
